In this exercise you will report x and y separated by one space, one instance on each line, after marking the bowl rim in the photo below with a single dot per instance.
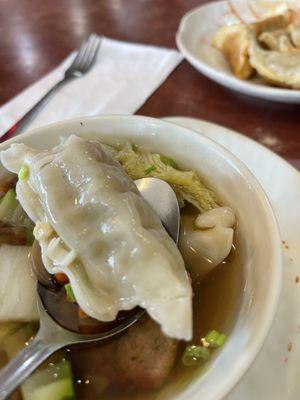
272 297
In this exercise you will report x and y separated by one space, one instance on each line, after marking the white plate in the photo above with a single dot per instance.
275 375
194 37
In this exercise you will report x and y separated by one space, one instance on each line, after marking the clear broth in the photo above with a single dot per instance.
215 305
216 302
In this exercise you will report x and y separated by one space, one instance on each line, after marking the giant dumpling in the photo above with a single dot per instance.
93 225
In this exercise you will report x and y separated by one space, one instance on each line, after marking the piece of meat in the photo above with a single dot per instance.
141 359
13 235
7 182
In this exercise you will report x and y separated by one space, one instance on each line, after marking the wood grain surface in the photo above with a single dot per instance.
35 36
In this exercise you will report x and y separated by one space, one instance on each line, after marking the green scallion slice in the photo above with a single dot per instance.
24 172
194 355
70 293
150 169
215 338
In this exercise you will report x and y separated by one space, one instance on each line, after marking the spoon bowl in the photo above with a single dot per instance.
55 334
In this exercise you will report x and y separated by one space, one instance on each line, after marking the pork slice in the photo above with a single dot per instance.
13 235
141 359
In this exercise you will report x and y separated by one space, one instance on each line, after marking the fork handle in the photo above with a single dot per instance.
18 127
23 364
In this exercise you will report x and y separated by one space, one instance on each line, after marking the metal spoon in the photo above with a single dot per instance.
162 198
51 336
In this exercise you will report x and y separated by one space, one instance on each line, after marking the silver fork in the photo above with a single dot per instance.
82 63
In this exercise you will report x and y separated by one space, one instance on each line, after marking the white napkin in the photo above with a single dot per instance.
123 77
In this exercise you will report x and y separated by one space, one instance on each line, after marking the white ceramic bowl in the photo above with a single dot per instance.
257 225
194 37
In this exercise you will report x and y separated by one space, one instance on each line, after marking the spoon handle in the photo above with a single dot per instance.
23 364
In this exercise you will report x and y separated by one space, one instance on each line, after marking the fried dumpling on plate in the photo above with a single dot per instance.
273 23
274 67
294 31
280 32
278 40
269 47
233 41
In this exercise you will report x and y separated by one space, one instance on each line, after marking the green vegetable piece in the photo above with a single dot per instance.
150 169
195 355
212 337
53 383
134 147
188 185
8 204
169 161
221 340
215 339
24 172
70 293
62 389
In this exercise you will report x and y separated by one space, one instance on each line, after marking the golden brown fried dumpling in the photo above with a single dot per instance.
274 23
278 40
233 41
270 47
274 67
294 17
294 31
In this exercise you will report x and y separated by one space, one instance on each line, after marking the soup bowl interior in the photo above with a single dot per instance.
258 233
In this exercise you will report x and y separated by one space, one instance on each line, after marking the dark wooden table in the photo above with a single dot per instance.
35 36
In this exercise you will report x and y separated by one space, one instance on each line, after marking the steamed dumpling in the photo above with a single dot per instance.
93 225
207 241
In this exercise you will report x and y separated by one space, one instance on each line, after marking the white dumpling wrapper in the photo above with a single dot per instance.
205 247
93 225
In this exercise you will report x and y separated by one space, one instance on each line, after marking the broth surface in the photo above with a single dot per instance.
215 305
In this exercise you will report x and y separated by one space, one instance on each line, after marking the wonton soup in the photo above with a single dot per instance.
72 218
